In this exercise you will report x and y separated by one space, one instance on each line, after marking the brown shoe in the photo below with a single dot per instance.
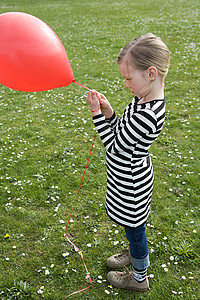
119 260
125 280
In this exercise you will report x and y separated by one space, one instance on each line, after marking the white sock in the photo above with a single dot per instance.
139 275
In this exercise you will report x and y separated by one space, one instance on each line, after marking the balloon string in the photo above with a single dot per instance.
75 247
86 166
85 87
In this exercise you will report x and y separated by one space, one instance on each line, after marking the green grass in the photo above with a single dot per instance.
45 143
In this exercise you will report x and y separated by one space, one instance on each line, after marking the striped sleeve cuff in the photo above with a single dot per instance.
99 119
113 120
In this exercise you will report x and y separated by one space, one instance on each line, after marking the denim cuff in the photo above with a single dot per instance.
141 263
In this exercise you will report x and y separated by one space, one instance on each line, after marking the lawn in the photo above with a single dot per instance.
45 143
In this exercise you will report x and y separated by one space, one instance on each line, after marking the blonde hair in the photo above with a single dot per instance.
146 51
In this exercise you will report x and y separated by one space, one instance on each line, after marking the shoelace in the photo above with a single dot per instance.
125 277
120 255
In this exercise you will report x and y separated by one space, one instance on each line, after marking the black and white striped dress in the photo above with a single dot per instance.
129 169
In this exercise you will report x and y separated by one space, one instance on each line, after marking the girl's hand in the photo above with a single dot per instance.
105 106
94 102
99 104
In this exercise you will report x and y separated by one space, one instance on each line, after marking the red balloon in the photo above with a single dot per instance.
32 57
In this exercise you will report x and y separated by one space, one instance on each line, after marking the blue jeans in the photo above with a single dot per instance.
138 247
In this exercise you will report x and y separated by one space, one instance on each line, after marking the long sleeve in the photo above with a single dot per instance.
123 136
113 121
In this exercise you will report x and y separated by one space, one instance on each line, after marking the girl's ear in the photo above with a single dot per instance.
152 73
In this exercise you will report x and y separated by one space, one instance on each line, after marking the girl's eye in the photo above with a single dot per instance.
128 79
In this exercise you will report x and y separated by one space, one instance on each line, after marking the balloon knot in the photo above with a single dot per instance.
74 80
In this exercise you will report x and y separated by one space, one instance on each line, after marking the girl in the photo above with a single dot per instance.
144 64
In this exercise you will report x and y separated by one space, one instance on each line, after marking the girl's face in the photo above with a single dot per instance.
136 80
